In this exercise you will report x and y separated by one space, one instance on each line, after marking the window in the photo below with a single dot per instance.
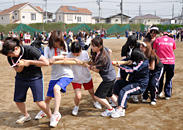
158 20
116 20
59 17
12 17
78 19
23 17
148 20
15 13
69 17
1 17
33 16
75 17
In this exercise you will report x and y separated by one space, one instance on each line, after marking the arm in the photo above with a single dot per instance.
93 68
41 62
152 65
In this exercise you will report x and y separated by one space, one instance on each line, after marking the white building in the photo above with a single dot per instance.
22 13
116 19
147 19
72 14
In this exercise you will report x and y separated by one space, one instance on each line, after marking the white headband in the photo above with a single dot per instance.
144 44
154 28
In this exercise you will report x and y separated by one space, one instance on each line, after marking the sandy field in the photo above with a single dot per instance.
166 115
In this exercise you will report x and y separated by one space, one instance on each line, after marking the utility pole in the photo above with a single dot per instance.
173 11
98 2
140 18
45 9
121 7
182 12
155 13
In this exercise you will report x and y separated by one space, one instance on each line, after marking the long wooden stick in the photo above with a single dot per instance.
75 63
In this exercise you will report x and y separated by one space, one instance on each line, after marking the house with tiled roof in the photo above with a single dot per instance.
22 13
147 19
72 14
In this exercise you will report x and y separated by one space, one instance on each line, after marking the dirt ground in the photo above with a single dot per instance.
166 115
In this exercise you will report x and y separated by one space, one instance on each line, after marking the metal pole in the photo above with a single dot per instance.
46 9
182 12
173 11
121 11
98 2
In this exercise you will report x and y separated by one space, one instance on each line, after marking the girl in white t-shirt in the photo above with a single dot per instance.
82 75
61 75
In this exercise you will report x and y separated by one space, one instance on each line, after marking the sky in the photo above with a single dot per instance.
162 8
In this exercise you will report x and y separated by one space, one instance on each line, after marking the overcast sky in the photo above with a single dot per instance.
162 8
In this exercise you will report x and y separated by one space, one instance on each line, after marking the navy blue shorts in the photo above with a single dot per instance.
22 85
62 82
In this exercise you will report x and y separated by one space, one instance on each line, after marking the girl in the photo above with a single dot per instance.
156 70
61 75
101 64
151 35
136 84
126 51
82 75
28 74
164 47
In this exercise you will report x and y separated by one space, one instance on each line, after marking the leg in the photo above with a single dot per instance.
161 81
114 98
21 106
168 83
104 102
77 96
44 107
57 99
91 92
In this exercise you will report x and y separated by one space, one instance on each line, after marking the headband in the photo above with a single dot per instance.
144 44
154 28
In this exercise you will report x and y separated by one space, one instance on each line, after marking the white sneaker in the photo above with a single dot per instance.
97 105
54 119
167 98
144 100
23 119
153 103
118 113
160 95
107 112
135 98
40 115
75 110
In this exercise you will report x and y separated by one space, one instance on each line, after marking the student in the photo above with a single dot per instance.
164 47
151 35
61 75
101 63
126 51
28 75
156 70
38 44
82 75
136 84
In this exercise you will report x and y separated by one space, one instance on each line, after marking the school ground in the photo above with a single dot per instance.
166 115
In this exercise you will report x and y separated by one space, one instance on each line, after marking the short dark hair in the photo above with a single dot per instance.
75 47
138 55
9 45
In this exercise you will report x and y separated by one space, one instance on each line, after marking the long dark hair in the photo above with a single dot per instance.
154 29
102 58
131 41
138 55
57 36
9 45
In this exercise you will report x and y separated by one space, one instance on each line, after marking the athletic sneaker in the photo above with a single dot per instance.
108 112
23 119
54 119
153 103
75 110
167 98
160 95
135 98
40 115
118 113
97 105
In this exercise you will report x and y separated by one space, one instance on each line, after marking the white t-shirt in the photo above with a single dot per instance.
81 73
58 71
